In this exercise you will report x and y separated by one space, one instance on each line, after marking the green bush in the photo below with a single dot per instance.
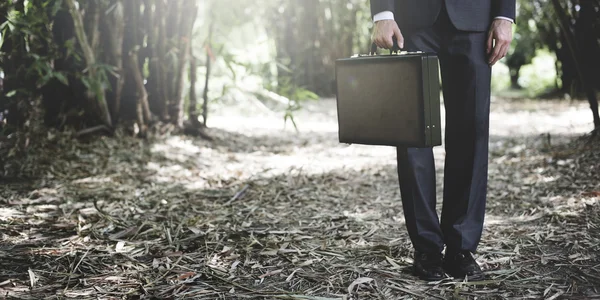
500 77
539 76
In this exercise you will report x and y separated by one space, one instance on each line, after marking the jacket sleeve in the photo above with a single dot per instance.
378 6
504 8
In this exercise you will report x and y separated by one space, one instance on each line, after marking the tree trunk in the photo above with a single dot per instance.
208 70
565 27
4 61
152 24
157 81
593 100
129 108
114 28
205 92
92 21
587 44
514 77
142 108
14 67
5 49
183 35
193 105
90 60
172 28
59 98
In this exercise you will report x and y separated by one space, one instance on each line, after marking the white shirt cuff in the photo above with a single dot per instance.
388 15
384 15
505 18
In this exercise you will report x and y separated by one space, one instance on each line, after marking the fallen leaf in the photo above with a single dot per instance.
591 194
32 278
558 294
119 247
393 263
270 273
306 263
291 275
114 278
358 281
196 230
548 290
235 264
124 233
186 275
269 253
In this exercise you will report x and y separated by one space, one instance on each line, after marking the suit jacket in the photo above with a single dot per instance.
467 15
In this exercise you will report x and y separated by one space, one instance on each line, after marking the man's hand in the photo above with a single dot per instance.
499 39
383 33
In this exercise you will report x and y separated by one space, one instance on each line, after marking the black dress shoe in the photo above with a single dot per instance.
428 266
462 264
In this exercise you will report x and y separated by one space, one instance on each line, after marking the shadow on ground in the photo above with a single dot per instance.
284 216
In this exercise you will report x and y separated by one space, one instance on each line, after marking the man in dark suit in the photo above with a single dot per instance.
469 37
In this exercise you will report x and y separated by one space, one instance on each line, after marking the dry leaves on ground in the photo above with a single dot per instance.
170 218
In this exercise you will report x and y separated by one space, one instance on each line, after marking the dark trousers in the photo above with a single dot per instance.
466 80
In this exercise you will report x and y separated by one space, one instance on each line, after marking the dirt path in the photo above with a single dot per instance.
268 213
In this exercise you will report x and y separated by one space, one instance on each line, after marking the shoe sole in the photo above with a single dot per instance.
429 278
470 278
422 277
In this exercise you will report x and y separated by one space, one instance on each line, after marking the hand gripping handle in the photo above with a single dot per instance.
395 47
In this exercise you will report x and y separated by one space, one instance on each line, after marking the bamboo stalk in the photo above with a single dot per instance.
140 118
94 32
163 86
192 108
90 59
141 89
564 26
207 78
184 35
116 34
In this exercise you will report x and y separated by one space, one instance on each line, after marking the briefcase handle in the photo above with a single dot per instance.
395 47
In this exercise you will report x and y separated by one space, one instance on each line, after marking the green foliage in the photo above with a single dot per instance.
44 72
26 57
96 80
500 78
540 53
288 47
540 76
526 36
296 95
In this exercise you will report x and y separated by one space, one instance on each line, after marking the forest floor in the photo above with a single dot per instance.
264 212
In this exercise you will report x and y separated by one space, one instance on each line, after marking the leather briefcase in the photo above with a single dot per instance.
389 100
